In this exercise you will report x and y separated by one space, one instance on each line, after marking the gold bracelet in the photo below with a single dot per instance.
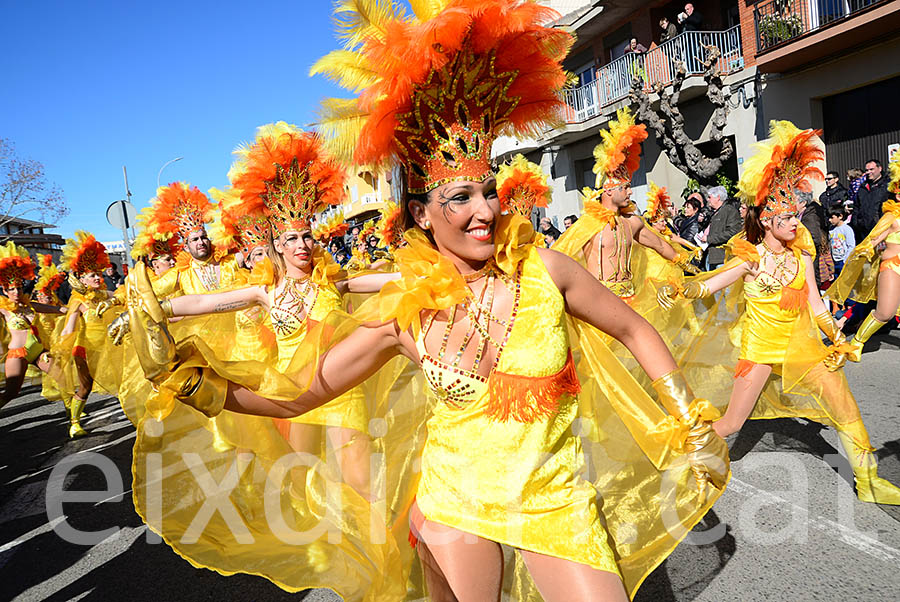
166 306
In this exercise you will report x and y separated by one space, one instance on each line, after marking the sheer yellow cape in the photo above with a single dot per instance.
306 526
858 280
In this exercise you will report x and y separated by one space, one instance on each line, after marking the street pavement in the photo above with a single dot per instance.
787 528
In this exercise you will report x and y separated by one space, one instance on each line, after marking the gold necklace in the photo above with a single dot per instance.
208 274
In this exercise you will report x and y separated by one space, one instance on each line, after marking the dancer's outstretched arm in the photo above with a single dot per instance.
212 303
367 283
43 308
341 368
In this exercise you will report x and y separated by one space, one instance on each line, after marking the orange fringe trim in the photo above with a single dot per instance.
530 398
794 299
16 352
888 264
79 351
743 368
413 540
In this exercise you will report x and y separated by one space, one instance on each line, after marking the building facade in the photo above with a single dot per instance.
31 235
829 64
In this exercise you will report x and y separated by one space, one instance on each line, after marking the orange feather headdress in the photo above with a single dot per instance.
84 254
289 174
390 226
238 226
618 156
437 88
49 277
180 208
783 163
522 186
658 203
150 241
330 227
16 265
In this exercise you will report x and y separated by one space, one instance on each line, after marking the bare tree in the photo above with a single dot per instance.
667 122
25 191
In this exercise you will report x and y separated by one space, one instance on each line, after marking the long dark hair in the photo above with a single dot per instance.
753 226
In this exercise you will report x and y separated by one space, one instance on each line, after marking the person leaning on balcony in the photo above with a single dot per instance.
669 30
724 223
694 20
635 46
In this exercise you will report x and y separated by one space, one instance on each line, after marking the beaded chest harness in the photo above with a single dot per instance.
292 305
448 381
784 269
208 274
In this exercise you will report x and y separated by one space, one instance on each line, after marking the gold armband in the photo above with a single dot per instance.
675 395
695 289
826 323
166 306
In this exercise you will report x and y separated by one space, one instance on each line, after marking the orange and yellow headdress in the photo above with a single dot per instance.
238 226
16 265
330 227
390 226
49 276
84 254
894 173
437 88
288 171
618 156
150 242
522 186
782 164
180 208
658 203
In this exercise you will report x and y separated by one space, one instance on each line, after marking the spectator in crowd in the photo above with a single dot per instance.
689 227
835 194
841 237
681 18
569 220
855 179
872 194
548 229
112 278
812 216
705 210
669 30
635 46
342 257
694 19
724 223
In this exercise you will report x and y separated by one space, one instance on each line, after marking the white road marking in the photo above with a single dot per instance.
32 534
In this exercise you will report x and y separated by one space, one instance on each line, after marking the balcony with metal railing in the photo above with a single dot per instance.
781 21
656 66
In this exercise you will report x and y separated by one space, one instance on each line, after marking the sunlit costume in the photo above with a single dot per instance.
866 270
96 361
183 209
769 316
499 457
49 325
151 243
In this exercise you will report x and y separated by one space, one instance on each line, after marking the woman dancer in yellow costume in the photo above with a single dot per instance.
784 311
482 311
859 281
94 357
286 177
21 316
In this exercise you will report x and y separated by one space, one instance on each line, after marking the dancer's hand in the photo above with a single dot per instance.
103 307
119 327
707 454
666 295
835 360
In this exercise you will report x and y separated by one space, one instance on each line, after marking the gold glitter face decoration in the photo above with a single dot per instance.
449 134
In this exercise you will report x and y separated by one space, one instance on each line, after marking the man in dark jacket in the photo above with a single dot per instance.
869 199
725 222
835 194
694 21
669 30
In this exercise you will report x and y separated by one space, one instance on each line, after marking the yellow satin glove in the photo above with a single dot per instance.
838 356
692 289
706 452
683 261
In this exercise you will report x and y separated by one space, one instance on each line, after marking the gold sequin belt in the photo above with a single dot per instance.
620 288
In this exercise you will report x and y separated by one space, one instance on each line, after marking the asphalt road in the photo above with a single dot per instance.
787 528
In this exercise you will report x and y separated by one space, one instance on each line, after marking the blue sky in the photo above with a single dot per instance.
90 86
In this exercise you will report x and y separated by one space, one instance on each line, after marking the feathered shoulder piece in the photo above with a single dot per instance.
437 87
894 173
522 186
288 174
330 227
16 265
84 254
618 155
179 209
390 226
49 276
782 164
658 203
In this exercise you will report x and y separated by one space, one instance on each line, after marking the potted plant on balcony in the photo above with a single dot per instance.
779 27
